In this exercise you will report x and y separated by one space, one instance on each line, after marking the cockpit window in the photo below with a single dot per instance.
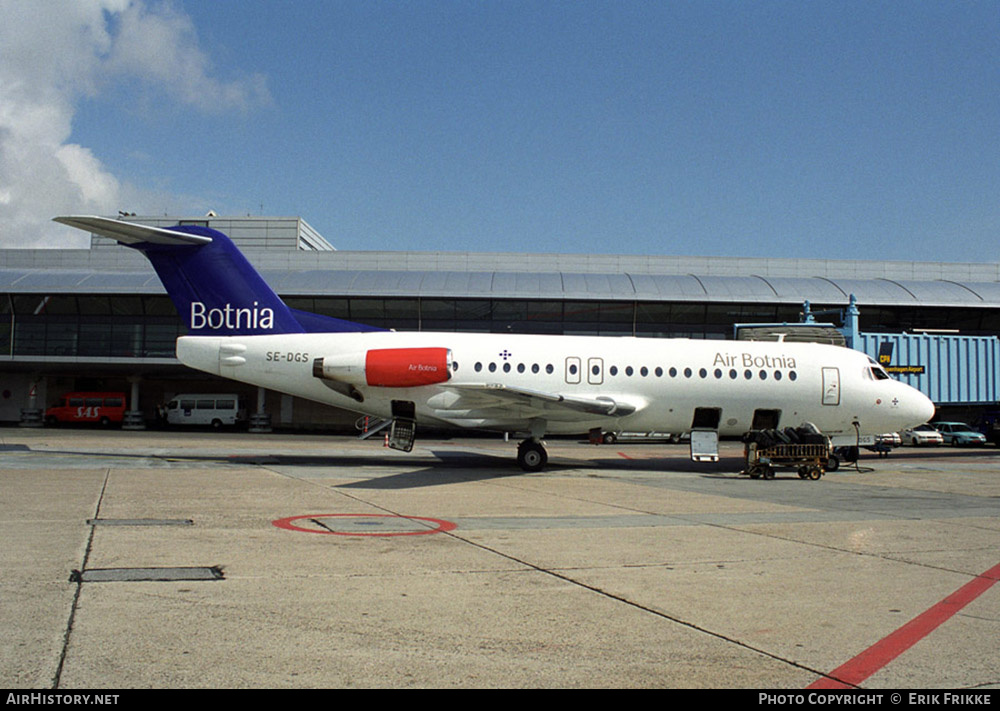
879 373
875 370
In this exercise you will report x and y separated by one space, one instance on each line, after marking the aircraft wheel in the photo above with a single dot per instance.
850 454
531 456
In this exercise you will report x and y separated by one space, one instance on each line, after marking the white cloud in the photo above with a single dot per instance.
56 53
160 46
96 186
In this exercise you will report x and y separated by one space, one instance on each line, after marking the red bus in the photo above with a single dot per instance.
102 408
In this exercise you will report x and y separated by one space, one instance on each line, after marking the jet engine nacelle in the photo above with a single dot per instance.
387 367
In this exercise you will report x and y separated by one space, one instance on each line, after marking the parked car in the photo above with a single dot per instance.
922 436
959 434
889 439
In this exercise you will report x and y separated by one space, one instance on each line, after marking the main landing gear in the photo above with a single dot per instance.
531 455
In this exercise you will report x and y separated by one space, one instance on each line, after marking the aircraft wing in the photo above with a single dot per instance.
129 232
544 401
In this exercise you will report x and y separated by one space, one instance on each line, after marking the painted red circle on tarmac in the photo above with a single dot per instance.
289 524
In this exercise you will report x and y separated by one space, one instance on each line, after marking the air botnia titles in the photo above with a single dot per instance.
855 698
230 318
748 360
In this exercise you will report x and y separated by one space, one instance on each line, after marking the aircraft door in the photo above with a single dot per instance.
572 370
765 419
705 434
595 371
831 386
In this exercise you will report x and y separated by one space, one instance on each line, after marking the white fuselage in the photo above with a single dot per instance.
661 383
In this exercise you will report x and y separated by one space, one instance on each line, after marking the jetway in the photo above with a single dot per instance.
949 369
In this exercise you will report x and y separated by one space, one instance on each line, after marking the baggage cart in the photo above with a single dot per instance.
811 460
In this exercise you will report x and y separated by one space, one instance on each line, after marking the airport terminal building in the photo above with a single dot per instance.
98 319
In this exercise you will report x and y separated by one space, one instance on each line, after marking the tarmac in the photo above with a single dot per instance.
205 560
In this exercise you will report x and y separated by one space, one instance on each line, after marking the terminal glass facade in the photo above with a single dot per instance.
88 326
145 326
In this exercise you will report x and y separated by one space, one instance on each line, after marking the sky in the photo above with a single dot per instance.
855 130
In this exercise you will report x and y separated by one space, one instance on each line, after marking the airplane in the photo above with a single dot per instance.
531 385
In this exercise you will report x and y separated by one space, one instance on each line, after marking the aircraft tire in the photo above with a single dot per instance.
531 456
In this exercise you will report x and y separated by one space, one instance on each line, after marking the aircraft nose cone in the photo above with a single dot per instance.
926 408
919 407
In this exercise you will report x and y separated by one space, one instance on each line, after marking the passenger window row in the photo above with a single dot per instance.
718 373
507 367
643 371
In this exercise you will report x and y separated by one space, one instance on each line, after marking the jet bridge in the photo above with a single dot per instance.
947 367
950 369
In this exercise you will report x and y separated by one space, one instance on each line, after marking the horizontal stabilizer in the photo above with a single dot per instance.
129 232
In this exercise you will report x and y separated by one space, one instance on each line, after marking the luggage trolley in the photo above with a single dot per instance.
810 458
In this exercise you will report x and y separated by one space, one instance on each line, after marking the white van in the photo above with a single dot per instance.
205 409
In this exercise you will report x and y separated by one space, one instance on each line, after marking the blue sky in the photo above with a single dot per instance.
785 129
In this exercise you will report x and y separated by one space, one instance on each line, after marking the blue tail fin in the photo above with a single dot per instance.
215 289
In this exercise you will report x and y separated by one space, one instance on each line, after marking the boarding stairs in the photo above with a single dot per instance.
368 426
